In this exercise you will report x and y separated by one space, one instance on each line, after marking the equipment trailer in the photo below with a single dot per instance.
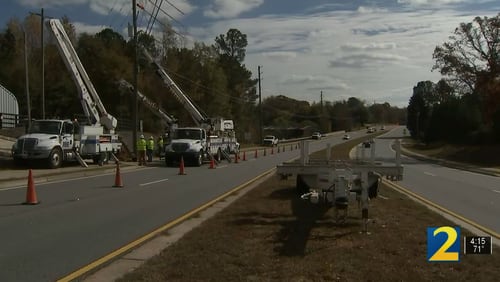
332 182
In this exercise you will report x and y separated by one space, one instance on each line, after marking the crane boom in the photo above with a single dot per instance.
198 116
155 108
91 103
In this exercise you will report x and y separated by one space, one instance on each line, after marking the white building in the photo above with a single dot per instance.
9 109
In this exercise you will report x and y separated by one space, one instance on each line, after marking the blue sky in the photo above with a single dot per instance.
376 50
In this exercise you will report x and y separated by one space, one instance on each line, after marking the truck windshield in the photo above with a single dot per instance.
187 134
45 126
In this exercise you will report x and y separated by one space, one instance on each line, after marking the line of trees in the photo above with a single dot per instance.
214 76
464 106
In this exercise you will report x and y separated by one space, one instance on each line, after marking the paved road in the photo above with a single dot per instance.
472 195
80 220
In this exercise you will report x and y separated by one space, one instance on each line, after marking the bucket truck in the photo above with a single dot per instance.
56 140
211 138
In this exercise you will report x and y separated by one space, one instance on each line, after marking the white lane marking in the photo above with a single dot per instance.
383 197
428 173
496 191
221 166
153 182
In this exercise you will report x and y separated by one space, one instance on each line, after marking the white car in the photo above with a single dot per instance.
346 137
316 135
270 140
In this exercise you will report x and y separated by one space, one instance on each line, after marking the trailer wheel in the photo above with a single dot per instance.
55 158
301 186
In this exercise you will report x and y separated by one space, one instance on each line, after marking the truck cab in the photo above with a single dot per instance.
50 140
187 142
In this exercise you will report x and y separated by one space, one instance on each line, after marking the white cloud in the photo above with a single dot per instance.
124 7
296 51
49 3
231 8
368 10
369 47
431 2
366 60
281 56
86 28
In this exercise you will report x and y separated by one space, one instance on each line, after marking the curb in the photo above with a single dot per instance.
463 166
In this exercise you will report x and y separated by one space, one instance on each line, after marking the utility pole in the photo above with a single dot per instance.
28 102
43 64
260 108
136 66
42 19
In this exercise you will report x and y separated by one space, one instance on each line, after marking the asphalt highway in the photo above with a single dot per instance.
80 220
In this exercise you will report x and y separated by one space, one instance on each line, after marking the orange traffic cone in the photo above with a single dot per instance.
272 150
244 156
236 157
118 177
256 154
212 163
264 152
181 167
31 198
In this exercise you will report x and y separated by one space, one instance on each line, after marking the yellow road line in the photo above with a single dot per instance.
152 234
428 202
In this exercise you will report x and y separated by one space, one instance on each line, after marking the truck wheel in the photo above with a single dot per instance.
301 186
199 159
218 157
55 158
101 159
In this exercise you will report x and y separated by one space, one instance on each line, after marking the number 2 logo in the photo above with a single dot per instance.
442 244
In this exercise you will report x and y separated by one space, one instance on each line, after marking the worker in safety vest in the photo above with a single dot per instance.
160 146
150 146
141 150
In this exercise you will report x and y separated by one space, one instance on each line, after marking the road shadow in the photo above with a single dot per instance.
295 229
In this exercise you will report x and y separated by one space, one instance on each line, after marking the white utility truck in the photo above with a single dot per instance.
212 138
55 140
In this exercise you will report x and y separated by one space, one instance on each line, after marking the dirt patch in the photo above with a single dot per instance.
271 235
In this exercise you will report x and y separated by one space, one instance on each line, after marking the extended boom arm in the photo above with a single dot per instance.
196 114
155 108
91 103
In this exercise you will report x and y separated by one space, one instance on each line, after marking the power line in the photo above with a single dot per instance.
167 14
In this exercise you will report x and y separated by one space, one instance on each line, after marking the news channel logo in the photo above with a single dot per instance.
443 244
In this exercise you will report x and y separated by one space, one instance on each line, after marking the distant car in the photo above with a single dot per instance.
370 130
382 127
346 137
270 140
316 135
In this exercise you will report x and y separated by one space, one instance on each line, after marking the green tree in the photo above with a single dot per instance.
232 44
470 61
420 108
240 85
